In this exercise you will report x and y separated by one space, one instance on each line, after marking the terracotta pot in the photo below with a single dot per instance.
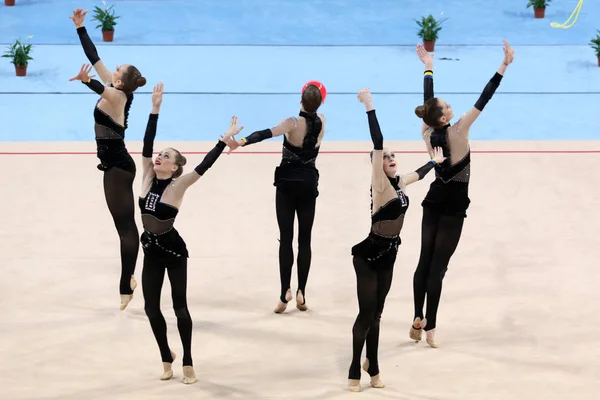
21 70
9 3
539 12
108 36
429 45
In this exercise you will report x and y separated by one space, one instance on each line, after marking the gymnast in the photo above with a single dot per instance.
446 203
374 257
163 188
296 179
110 116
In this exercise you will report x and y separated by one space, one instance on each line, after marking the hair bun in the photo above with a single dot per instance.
183 160
141 81
420 111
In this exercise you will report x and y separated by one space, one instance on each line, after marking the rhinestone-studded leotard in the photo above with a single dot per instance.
160 238
381 246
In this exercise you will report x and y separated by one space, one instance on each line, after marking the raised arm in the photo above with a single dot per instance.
88 46
421 172
471 116
111 94
185 181
427 60
379 180
148 149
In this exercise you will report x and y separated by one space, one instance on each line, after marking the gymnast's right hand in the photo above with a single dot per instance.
84 74
78 17
157 95
364 96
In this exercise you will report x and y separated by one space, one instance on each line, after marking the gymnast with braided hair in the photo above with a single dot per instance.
163 188
446 202
296 179
374 257
110 116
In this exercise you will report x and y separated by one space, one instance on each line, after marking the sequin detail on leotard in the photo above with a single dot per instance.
381 245
160 238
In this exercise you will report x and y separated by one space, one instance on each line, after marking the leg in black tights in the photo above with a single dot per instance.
372 289
288 205
118 191
306 216
440 237
152 280
285 208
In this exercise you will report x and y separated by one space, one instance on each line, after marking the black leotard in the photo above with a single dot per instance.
298 169
384 238
449 193
160 238
110 141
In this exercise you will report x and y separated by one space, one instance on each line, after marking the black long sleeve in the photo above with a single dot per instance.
210 158
95 85
488 91
427 85
257 136
150 135
424 170
88 46
375 130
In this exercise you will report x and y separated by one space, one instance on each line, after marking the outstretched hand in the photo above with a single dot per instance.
509 53
425 57
83 75
233 130
78 17
157 95
438 155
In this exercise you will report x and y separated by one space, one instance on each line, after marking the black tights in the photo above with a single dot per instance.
288 204
439 237
118 191
153 276
372 287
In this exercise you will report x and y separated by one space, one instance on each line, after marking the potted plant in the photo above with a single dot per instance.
9 3
107 21
429 31
595 43
539 7
19 53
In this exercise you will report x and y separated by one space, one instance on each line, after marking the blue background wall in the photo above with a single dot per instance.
251 57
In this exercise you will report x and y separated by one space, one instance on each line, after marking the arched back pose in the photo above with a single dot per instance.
163 188
374 257
296 180
446 203
110 116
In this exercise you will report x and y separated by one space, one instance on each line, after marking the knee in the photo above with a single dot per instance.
304 239
437 275
182 313
127 228
286 237
365 320
152 311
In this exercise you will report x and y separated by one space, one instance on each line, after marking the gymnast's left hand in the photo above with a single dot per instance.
84 74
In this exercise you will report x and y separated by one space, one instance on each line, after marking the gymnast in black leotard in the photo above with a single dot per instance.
296 179
446 203
374 257
110 116
163 188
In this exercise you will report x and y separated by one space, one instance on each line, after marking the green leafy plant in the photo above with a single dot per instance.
595 43
429 28
19 53
106 17
538 3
